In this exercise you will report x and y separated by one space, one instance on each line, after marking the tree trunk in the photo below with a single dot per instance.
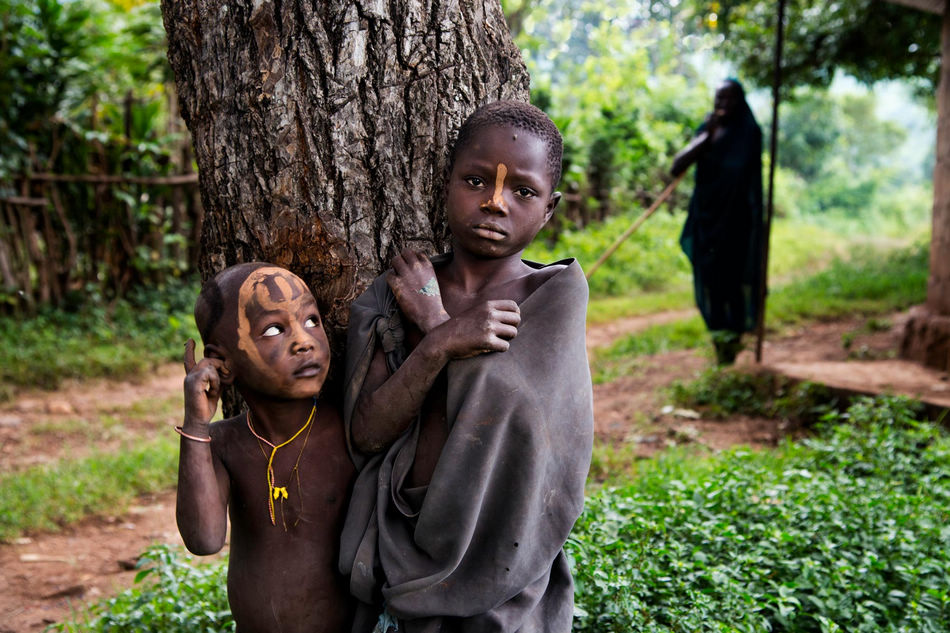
322 129
927 334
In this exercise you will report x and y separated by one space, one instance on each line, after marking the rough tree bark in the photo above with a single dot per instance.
927 334
321 128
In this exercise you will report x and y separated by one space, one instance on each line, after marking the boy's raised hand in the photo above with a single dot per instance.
483 328
412 279
202 390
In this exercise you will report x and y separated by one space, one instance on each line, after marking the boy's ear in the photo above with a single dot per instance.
552 203
213 350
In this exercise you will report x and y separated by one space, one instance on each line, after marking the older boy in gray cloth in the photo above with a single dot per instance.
469 405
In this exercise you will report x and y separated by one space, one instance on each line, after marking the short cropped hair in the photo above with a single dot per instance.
209 307
521 116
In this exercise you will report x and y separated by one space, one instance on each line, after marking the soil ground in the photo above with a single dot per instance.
43 577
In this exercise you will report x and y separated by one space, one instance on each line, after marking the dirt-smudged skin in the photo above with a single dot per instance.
277 477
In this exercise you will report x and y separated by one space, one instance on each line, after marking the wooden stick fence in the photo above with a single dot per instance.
62 232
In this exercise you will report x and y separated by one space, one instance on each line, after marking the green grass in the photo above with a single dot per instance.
94 339
620 358
651 261
868 282
798 249
51 496
607 309
813 272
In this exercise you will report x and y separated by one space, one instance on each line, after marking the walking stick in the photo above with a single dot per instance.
636 225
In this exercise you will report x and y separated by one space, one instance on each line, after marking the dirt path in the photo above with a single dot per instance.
41 577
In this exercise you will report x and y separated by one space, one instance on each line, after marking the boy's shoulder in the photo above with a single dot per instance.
224 432
542 273
546 271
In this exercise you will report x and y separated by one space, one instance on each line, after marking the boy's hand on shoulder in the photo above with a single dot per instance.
413 281
202 390
483 328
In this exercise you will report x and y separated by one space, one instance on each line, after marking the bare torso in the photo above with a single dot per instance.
284 577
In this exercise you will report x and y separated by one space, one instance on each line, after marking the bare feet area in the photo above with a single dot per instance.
44 577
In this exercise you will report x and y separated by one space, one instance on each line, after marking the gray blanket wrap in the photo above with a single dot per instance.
480 549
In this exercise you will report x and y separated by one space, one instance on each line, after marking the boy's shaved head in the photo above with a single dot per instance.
216 293
521 116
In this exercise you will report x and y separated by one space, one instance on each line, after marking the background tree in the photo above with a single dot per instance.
619 78
868 39
321 130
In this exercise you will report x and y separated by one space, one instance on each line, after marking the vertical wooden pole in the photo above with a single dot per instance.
938 284
773 145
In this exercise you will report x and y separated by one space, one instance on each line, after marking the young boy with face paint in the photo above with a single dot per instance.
280 470
468 405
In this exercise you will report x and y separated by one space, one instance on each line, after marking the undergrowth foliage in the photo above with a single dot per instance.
848 531
721 392
171 595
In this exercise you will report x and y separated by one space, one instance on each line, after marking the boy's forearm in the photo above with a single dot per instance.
432 320
195 427
201 508
383 413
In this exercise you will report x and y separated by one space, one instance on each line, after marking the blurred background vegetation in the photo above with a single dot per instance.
98 192
99 224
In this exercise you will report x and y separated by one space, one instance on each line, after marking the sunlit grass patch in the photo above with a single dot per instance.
157 408
799 249
869 282
606 309
62 426
50 496
621 357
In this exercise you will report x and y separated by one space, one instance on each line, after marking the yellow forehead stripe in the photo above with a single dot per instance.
498 198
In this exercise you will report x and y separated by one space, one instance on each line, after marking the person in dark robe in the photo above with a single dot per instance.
468 405
724 231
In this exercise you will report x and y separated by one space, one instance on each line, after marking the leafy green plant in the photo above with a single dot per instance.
172 594
844 532
649 260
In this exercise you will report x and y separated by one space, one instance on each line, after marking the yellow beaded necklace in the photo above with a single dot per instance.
280 492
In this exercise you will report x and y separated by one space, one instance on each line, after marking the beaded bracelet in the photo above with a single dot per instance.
203 440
